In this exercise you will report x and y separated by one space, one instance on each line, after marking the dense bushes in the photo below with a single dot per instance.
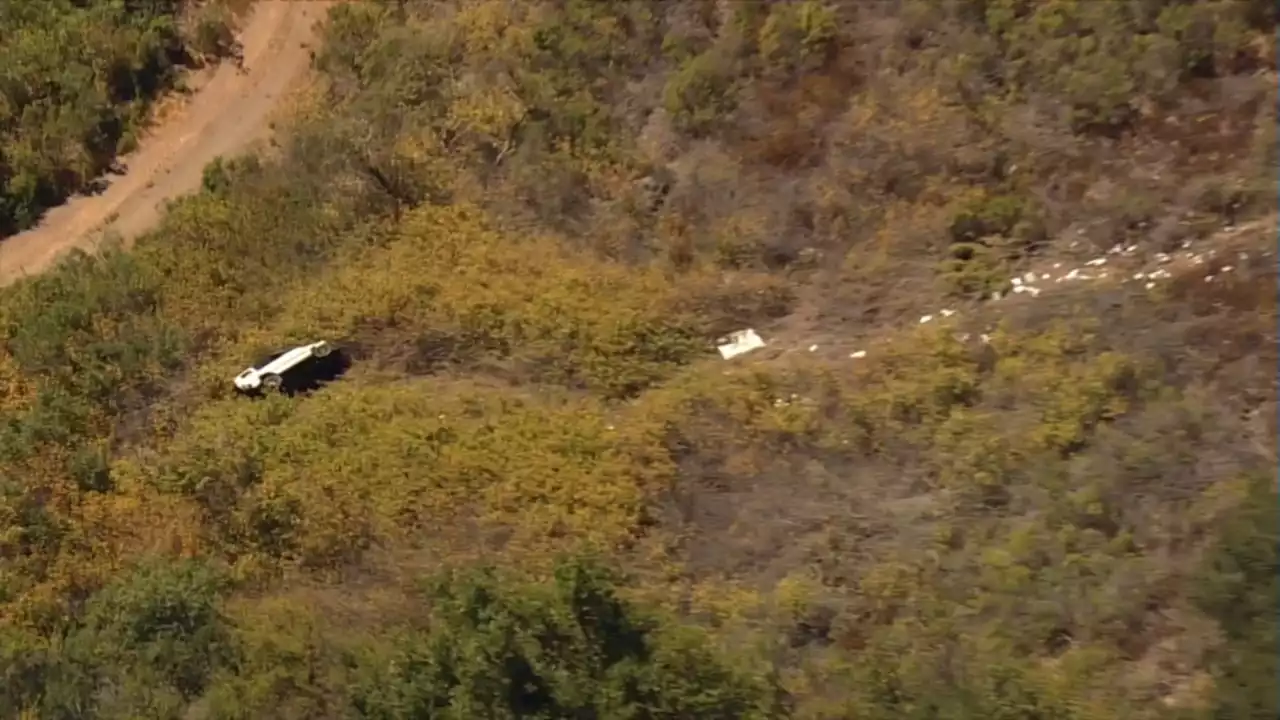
528 223
570 649
481 643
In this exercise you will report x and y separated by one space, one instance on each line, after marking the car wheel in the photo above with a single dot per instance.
322 351
272 382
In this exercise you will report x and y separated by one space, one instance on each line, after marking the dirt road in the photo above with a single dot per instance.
230 109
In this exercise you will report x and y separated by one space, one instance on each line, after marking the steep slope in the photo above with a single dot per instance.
528 222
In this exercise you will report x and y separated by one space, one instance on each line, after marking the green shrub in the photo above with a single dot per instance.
700 93
570 648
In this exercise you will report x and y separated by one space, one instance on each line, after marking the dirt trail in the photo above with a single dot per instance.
230 109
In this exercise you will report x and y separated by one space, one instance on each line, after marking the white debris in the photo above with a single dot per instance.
1226 268
740 343
1016 281
1208 278
1029 277
813 348
1130 249
986 338
1139 275
1097 262
947 312
1162 258
1057 265
1150 285
858 355
1243 256
926 318
1186 244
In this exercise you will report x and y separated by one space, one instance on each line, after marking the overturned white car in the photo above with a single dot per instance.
270 373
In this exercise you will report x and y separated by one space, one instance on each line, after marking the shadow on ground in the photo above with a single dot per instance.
313 375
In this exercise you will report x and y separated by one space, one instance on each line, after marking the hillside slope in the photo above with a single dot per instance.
539 492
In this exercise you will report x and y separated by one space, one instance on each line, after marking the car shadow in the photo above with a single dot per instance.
311 375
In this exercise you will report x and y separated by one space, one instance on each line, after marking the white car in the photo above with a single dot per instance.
269 373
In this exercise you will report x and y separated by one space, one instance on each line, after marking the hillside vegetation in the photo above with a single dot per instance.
540 493
76 82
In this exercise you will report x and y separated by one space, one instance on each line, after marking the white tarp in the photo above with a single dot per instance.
743 341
